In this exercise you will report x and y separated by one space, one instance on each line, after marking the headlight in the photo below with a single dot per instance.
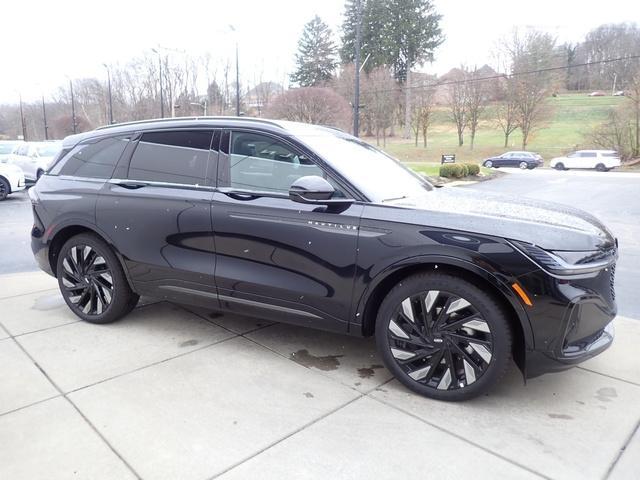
567 263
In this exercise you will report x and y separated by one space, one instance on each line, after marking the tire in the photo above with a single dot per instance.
559 166
524 165
478 349
601 168
5 189
488 164
92 281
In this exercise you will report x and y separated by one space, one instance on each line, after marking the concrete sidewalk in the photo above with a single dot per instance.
172 392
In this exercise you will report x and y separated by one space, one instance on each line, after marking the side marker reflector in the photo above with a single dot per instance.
522 294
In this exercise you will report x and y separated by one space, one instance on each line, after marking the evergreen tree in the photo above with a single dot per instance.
316 57
374 25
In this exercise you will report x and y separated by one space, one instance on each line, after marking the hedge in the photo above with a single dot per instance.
459 170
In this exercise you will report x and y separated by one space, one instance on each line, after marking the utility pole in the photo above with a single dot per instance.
356 90
73 108
44 119
109 90
233 29
22 122
160 75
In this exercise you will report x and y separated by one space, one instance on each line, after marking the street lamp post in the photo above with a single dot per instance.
44 119
233 29
73 108
109 90
356 90
160 74
22 122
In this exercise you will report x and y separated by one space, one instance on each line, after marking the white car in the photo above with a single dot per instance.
11 180
7 148
601 160
34 158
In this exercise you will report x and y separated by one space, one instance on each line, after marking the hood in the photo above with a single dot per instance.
548 225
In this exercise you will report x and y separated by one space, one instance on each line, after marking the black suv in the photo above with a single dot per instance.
308 225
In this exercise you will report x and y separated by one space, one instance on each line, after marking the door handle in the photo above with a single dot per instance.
131 185
241 195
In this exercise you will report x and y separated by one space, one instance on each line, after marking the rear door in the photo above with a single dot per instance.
276 258
588 159
157 211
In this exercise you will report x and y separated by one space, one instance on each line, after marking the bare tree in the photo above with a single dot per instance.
531 56
423 109
634 95
477 96
458 105
380 98
615 133
315 105
506 108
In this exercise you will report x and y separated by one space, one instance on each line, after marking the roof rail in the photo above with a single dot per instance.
180 119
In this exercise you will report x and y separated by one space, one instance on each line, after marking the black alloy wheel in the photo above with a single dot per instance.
92 281
5 189
559 166
601 168
443 337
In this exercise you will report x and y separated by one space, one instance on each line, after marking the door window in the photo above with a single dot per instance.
96 159
262 163
588 154
180 157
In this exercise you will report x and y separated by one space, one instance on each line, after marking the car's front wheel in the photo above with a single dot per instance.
488 164
443 337
92 281
559 166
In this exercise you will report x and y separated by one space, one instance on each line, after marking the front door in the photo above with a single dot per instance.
159 215
276 258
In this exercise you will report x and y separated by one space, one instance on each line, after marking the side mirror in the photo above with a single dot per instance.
315 190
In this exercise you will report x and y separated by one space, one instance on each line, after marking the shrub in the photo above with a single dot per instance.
473 168
465 169
452 170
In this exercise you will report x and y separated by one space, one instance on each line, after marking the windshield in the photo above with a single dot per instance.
48 150
377 175
6 148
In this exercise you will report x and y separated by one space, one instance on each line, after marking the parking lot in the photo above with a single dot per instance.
178 392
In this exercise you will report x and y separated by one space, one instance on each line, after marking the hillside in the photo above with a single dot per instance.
572 117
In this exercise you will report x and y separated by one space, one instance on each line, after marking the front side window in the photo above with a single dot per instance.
95 159
180 157
588 154
262 163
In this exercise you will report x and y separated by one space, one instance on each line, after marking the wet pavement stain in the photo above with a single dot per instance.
368 372
48 302
189 343
309 395
325 363
605 394
561 416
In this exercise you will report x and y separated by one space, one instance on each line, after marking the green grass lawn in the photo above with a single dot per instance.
571 118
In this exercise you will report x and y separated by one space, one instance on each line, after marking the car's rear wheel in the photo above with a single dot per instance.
559 166
601 167
5 189
92 281
443 337
524 165
488 164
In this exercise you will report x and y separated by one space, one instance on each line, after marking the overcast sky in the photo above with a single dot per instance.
43 42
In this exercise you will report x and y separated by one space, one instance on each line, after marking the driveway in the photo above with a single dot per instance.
176 392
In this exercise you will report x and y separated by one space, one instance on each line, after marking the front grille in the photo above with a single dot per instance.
612 278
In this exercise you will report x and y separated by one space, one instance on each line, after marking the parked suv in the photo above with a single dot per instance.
601 160
311 226
34 158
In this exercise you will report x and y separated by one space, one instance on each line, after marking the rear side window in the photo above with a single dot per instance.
180 157
609 154
96 159
588 154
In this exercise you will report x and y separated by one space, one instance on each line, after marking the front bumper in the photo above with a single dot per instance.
570 319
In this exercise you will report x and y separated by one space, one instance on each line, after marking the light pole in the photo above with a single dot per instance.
233 29
109 90
160 74
356 90
44 119
73 108
22 122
